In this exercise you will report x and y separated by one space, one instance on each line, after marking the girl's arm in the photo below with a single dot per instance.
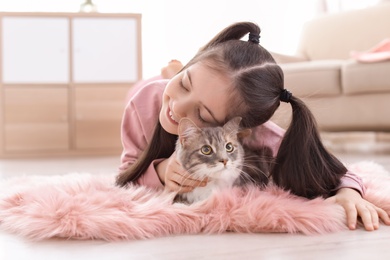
143 106
139 119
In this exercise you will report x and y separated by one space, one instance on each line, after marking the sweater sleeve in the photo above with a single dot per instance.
352 181
138 122
270 135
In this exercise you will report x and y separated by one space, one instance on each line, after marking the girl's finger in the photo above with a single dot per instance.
383 216
352 214
365 215
194 182
185 189
374 217
176 187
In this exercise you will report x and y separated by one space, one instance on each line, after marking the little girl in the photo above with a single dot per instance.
230 77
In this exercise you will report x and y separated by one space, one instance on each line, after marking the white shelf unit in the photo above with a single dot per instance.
63 81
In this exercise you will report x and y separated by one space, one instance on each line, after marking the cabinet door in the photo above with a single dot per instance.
36 119
35 50
105 50
99 113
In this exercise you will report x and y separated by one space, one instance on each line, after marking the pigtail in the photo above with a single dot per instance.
233 32
162 145
303 165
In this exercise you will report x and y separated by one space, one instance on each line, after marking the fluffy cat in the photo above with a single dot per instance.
216 153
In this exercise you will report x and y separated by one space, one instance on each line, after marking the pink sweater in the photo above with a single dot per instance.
141 115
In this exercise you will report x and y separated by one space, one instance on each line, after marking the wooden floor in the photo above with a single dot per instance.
358 244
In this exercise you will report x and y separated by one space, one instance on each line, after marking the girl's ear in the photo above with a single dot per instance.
186 129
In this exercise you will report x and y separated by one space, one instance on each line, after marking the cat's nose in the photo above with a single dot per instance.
224 161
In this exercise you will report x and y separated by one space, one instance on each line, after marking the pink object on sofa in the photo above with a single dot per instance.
379 52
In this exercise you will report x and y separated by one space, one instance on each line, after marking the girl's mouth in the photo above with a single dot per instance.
171 116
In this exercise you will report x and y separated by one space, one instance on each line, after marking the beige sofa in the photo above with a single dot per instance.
343 94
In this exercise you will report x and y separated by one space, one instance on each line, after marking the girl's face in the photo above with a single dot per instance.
197 93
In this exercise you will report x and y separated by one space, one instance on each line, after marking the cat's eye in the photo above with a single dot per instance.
206 150
229 147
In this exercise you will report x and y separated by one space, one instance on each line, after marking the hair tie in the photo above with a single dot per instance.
285 96
255 38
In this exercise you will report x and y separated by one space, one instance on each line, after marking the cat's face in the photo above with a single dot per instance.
213 152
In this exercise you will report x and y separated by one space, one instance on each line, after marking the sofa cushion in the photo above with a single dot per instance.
344 112
333 36
365 77
313 78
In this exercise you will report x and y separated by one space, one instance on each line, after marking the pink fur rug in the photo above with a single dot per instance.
85 206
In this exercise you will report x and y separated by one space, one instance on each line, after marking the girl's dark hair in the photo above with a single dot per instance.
302 164
162 145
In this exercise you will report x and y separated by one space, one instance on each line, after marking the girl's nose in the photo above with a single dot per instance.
181 108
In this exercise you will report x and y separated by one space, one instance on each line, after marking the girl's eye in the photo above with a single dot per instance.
198 112
229 147
206 150
200 117
182 85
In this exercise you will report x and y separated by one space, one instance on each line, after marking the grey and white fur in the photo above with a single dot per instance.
216 153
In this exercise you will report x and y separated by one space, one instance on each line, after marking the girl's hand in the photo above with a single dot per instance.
173 67
355 206
175 178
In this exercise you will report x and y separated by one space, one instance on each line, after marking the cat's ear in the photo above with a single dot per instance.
187 128
233 127
244 133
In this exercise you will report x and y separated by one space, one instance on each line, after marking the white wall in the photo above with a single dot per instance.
193 24
175 29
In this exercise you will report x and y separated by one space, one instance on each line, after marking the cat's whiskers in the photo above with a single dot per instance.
261 159
252 164
246 176
250 178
